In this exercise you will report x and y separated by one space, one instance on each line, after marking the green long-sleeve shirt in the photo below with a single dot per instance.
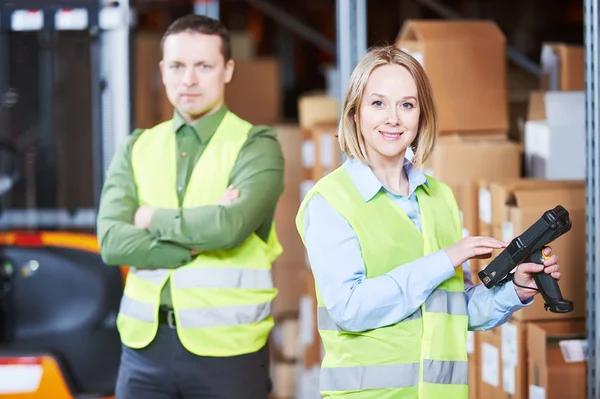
257 173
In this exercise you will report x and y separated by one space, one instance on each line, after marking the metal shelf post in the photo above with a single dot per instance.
351 16
592 75
210 8
114 59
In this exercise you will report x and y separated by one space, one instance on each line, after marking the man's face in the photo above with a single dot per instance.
194 73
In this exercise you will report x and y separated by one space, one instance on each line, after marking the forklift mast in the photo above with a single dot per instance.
64 104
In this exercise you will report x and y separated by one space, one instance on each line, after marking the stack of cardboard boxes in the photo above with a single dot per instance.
309 148
539 354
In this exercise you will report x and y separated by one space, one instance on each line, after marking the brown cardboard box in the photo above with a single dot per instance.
524 207
490 384
562 67
321 152
287 267
537 108
254 92
461 162
313 351
474 369
317 109
549 373
151 105
513 358
284 381
466 63
495 194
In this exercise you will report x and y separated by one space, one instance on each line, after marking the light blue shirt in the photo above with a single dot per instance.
358 303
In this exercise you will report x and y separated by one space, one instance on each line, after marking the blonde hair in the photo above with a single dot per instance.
349 135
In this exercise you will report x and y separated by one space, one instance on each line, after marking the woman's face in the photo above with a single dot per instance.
389 113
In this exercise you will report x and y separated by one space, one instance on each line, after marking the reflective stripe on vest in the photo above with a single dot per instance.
411 358
222 299
393 376
398 375
206 278
202 317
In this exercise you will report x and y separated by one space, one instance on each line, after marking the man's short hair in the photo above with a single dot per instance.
201 24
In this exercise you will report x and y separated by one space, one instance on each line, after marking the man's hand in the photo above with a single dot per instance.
143 217
230 195
524 274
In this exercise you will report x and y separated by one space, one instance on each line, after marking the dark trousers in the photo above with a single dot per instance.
166 370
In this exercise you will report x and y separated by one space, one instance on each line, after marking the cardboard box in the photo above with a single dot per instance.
494 195
150 103
523 208
513 360
461 162
310 340
254 92
489 362
320 150
562 67
557 367
317 109
287 267
474 369
555 146
506 353
466 64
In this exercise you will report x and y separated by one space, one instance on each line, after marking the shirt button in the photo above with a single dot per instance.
184 155
179 188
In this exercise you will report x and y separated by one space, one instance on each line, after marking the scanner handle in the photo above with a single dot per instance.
548 286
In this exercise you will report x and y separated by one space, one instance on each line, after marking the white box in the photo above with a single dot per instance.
555 148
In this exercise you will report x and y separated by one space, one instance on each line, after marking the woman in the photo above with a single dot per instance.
385 246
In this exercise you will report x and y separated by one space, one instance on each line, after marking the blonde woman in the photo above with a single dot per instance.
386 250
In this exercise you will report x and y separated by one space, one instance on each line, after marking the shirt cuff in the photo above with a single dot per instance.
506 297
162 221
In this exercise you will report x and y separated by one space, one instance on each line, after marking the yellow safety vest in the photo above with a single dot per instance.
222 299
423 356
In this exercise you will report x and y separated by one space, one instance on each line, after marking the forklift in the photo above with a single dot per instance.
64 107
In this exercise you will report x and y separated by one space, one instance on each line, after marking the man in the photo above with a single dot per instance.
189 205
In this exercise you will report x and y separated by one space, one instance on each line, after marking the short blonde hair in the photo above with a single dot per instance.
349 135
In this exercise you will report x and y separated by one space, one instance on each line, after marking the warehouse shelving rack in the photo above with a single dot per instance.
351 16
108 26
592 92
112 121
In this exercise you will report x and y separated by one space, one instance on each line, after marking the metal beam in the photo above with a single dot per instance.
511 53
592 91
301 29
351 18
210 8
115 86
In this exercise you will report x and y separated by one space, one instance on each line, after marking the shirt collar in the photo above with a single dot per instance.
204 127
368 184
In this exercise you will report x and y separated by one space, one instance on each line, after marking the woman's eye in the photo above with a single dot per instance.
377 103
407 105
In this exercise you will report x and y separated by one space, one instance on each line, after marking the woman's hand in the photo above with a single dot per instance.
524 275
473 247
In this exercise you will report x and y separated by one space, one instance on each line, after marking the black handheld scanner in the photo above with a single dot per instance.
528 247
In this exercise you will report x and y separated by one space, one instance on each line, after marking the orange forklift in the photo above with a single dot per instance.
58 306
60 118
